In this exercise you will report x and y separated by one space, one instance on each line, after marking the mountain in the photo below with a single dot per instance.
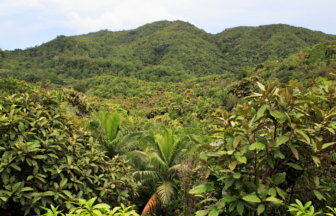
160 51
252 45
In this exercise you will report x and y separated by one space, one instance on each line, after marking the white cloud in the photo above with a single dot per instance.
41 20
127 14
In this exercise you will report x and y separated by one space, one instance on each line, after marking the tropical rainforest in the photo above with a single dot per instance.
167 119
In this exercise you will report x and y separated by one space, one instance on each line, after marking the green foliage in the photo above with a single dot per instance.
160 170
45 160
161 51
170 81
86 208
112 133
306 210
13 86
333 210
266 153
269 42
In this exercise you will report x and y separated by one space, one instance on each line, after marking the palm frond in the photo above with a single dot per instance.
127 138
160 146
157 162
166 190
138 158
151 176
172 170
175 150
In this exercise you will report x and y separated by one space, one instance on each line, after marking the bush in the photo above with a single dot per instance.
45 160
11 86
86 208
273 149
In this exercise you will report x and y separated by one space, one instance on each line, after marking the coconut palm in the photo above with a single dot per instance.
160 171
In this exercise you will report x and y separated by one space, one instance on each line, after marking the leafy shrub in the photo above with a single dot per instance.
12 86
273 149
45 160
80 88
86 208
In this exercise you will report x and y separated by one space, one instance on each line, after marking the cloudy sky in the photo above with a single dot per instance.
26 23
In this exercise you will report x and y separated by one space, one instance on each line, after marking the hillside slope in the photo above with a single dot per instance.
160 51
252 45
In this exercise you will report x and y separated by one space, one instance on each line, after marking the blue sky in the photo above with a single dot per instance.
27 23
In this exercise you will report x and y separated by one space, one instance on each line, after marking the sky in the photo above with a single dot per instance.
27 23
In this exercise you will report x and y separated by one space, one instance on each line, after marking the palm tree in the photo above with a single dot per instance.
160 171
114 135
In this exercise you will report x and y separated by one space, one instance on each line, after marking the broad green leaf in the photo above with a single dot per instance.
316 160
203 157
275 113
237 175
281 140
272 192
202 212
280 193
202 188
241 159
324 146
214 212
40 157
68 193
16 186
63 182
240 207
102 206
26 189
295 152
229 199
274 200
303 135
256 145
48 193
294 166
279 178
282 118
16 167
230 139
318 195
261 111
316 181
252 198
21 126
4 198
261 86
260 209
233 165
236 141
278 154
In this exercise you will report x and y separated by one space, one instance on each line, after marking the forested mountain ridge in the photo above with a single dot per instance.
252 45
159 51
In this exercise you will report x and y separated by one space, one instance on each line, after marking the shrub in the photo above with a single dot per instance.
46 160
11 86
273 149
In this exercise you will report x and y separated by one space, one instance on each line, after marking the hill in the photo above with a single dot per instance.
161 51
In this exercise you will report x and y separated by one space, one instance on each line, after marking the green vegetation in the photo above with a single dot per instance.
270 148
161 51
86 208
169 120
46 160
